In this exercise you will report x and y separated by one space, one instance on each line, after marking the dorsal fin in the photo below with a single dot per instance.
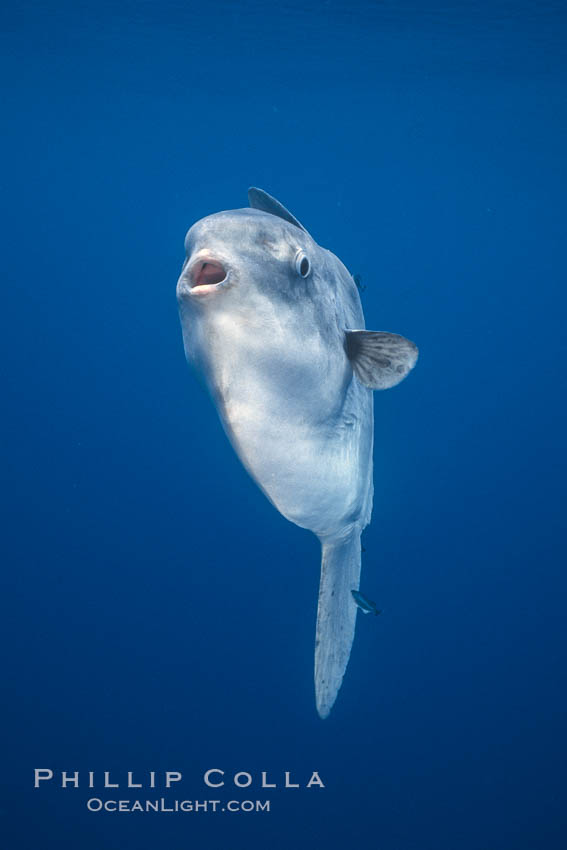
260 200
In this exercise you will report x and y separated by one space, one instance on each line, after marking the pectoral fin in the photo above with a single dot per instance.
380 360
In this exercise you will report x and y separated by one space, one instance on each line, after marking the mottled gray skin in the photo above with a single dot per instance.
272 346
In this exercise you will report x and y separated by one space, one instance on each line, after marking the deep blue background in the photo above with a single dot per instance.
158 612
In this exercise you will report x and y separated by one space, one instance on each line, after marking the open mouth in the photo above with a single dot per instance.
207 276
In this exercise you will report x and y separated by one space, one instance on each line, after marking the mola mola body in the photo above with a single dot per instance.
275 324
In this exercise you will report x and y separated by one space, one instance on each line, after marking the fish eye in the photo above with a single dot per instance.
302 264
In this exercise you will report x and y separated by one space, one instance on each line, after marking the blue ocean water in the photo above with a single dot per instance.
158 613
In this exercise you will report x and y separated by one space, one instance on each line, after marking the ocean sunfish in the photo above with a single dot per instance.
275 324
366 605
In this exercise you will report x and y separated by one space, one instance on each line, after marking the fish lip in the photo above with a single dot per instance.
195 271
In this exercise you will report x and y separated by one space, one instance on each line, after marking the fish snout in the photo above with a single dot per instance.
203 275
